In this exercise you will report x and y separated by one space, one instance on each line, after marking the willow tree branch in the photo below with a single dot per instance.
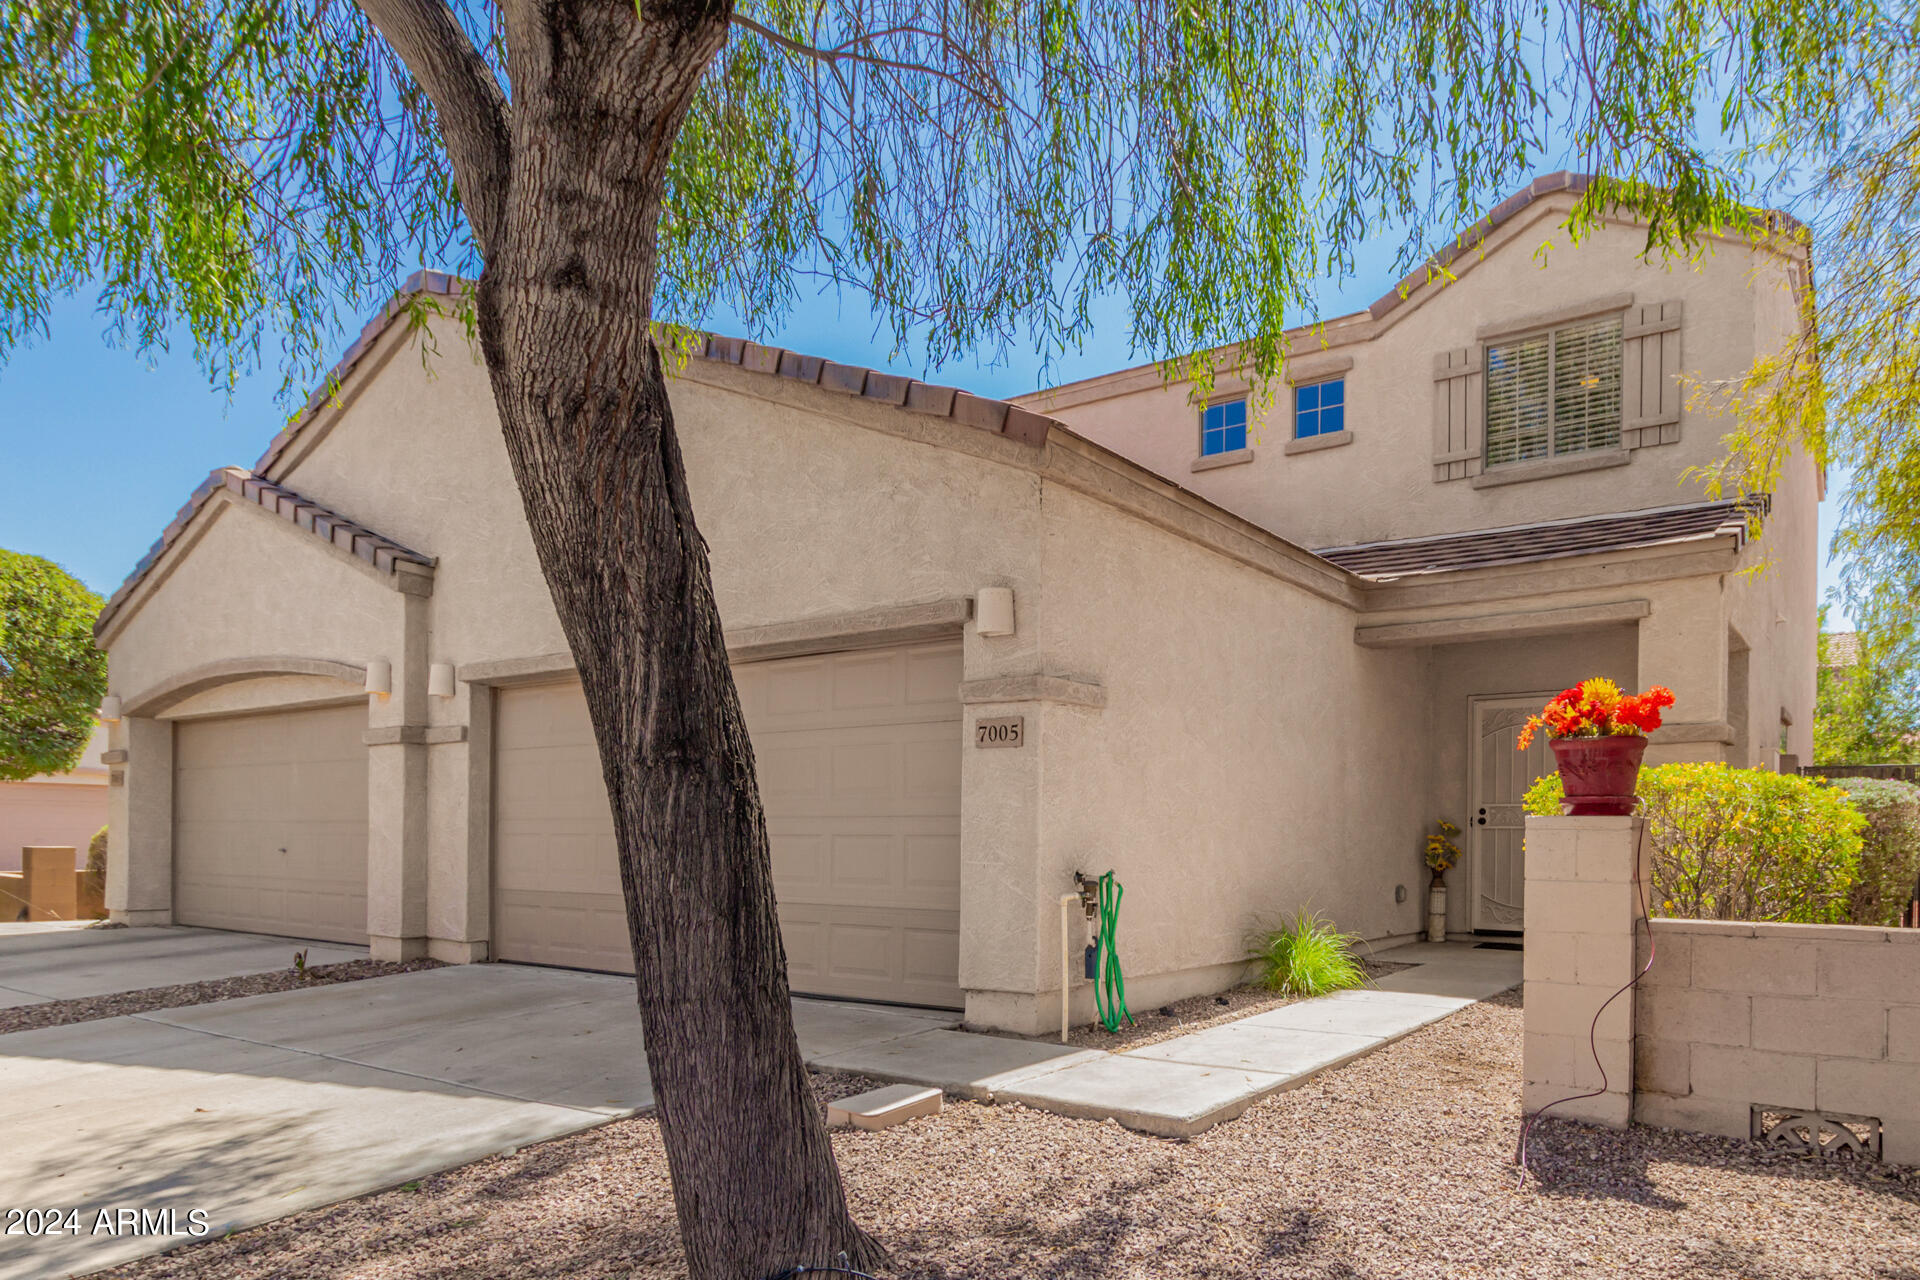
466 97
992 97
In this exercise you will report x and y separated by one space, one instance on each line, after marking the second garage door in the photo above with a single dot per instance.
859 766
270 823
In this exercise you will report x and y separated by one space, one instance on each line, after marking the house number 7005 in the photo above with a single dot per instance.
999 731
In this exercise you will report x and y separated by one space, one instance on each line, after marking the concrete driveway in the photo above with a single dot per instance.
252 1109
64 962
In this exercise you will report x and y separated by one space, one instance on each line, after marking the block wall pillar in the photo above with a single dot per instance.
1583 907
52 888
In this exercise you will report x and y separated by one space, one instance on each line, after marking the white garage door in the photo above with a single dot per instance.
859 766
270 823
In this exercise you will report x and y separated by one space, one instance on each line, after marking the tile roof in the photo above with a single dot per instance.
1520 544
382 552
997 416
1843 649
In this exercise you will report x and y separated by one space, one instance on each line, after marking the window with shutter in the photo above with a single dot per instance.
1554 393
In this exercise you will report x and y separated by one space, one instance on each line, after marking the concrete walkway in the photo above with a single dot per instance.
248 1110
67 962
252 1109
1189 1084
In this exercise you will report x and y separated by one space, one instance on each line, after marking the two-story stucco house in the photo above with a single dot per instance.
1254 649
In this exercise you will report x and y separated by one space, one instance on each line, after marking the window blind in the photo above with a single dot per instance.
1517 381
1554 393
1586 386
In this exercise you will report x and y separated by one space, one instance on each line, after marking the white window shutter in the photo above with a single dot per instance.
1650 391
1459 406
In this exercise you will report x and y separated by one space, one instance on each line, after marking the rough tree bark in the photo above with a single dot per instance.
565 200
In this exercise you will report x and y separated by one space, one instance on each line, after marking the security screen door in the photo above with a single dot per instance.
1496 824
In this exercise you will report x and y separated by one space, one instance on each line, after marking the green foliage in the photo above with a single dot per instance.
1741 844
1543 797
985 173
1890 854
97 862
51 676
1845 385
1866 712
1308 957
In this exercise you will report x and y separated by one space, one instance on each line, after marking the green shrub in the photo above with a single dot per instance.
1890 855
97 864
1309 957
1742 844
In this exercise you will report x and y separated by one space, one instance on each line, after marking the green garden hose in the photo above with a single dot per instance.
1110 992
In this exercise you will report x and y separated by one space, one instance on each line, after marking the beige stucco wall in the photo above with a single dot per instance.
1815 1017
1250 759
252 586
1381 486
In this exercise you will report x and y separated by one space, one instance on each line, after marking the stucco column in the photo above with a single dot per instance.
397 799
460 802
139 759
1001 917
1683 645
1583 905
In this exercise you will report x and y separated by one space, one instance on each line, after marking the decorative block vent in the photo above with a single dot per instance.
1829 1135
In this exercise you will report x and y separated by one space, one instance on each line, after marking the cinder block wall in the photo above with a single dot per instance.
1582 905
1783 1016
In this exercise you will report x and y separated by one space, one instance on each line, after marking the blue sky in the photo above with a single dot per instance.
99 445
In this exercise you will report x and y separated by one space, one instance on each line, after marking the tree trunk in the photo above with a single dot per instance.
564 307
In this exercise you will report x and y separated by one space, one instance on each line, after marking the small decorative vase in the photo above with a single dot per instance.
1437 911
1599 775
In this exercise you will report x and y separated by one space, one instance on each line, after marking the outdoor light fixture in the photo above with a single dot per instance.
993 611
379 677
110 708
440 680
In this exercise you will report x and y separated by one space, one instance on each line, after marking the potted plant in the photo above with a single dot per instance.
1598 735
1442 854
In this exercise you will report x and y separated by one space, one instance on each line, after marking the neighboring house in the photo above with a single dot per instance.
65 808
1843 650
1235 725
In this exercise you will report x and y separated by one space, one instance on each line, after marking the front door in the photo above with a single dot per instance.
1500 777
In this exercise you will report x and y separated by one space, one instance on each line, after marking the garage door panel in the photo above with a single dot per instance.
576 930
270 823
864 953
933 869
932 678
858 759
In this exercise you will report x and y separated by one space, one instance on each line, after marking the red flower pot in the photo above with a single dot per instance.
1599 774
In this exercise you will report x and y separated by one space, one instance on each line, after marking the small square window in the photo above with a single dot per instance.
1223 428
1320 409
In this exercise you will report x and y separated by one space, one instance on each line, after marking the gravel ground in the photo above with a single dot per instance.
58 1013
1395 1166
1195 1013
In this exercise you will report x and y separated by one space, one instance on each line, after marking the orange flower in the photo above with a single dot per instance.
1595 709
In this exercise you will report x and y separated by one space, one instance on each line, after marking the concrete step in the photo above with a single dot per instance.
884 1108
